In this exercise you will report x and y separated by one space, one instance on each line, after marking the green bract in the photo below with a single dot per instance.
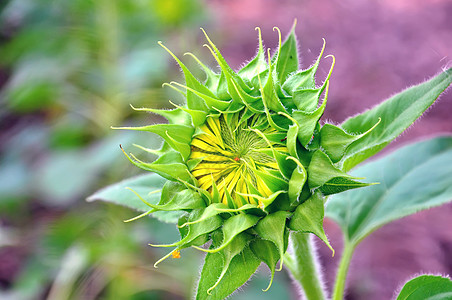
247 160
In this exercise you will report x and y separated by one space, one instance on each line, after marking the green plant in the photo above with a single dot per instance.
247 166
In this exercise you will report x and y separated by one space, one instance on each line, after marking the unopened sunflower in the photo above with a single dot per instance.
247 160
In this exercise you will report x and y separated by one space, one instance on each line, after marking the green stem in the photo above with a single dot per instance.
341 275
304 266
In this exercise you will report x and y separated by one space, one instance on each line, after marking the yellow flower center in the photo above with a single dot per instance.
234 157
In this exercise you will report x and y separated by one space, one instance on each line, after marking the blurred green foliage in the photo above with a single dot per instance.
69 70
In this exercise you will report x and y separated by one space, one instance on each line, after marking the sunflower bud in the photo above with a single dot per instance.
246 158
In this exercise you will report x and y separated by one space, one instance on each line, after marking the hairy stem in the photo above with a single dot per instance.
341 275
304 266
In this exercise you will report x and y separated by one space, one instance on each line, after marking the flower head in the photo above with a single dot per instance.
233 157
246 158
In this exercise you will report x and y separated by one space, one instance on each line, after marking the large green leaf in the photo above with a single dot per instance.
427 287
397 114
143 185
411 179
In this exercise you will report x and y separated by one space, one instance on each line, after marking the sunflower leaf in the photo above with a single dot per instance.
396 114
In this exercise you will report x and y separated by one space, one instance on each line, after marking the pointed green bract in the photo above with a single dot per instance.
323 174
174 116
170 165
287 56
257 64
230 251
195 230
272 228
296 184
239 270
335 141
233 227
308 217
304 79
267 252
185 199
309 121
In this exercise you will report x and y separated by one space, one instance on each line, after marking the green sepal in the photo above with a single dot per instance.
304 79
277 137
230 201
272 228
335 141
211 101
296 183
314 144
239 270
177 136
227 70
257 64
267 252
198 117
170 166
229 252
285 166
212 78
340 184
308 217
209 212
321 171
292 136
252 209
307 100
193 101
159 152
264 202
174 116
269 95
233 227
169 190
194 231
309 120
222 88
273 182
287 59
185 199
240 96
192 163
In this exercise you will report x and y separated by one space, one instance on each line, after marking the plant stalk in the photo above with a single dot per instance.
304 266
341 276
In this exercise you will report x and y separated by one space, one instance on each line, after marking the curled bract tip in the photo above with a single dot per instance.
163 258
279 37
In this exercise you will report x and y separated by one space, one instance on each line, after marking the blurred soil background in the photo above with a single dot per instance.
70 69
